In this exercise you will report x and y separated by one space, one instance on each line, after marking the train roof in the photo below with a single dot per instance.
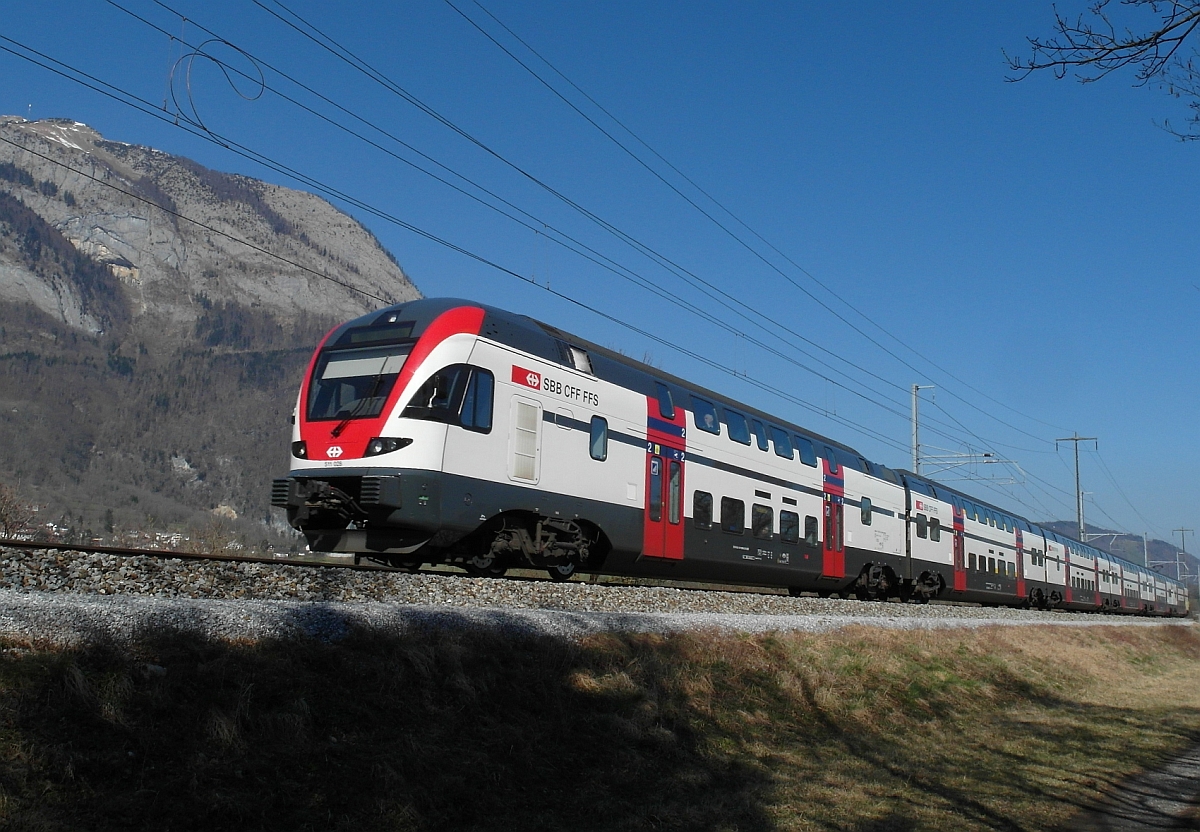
551 344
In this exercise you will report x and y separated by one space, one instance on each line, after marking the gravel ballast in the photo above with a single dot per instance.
71 598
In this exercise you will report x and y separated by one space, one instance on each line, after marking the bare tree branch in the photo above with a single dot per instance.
15 513
1093 45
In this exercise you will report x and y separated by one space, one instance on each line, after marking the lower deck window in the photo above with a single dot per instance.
702 509
762 521
733 515
789 526
810 530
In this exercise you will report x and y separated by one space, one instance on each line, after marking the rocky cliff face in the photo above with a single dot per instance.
166 263
148 364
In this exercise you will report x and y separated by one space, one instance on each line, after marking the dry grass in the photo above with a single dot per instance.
1006 728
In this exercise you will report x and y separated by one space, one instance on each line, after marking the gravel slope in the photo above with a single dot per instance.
69 597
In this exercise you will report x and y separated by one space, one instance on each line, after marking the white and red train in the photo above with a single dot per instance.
444 431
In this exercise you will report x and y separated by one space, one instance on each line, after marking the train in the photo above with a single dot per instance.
442 431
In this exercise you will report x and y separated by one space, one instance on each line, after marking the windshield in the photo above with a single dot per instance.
354 384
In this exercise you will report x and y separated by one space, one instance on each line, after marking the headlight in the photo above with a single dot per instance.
385 445
300 449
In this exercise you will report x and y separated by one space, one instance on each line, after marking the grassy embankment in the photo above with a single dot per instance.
1000 728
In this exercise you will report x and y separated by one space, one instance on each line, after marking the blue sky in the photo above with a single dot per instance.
1027 248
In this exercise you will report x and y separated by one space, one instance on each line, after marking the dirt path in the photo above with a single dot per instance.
1165 798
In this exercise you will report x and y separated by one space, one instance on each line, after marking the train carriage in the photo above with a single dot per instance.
442 431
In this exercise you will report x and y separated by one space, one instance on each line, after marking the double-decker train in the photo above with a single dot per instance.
445 431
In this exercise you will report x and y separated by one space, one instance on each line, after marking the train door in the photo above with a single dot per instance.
833 550
525 440
1068 588
1020 565
662 530
960 543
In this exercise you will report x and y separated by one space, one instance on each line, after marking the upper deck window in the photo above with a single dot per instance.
705 416
808 454
666 405
739 431
354 383
783 445
760 433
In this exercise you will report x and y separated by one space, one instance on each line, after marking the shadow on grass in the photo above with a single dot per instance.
474 728
442 729
997 770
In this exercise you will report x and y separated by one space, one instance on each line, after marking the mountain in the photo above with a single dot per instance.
155 320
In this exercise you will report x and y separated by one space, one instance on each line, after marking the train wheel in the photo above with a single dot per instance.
410 566
485 566
561 572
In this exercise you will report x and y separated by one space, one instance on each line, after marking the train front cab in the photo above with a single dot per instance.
477 451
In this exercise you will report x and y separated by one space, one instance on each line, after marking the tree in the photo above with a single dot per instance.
1104 39
15 513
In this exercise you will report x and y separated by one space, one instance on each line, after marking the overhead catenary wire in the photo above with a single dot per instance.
739 375
228 144
695 281
574 301
764 386
319 37
729 213
572 244
1116 483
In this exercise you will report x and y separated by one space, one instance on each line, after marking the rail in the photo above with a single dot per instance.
173 553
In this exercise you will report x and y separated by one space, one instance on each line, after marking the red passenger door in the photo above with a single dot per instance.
833 550
662 535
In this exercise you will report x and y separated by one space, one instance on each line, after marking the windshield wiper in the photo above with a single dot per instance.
359 407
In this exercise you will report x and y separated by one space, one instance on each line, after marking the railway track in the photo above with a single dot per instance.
172 553
356 565
517 576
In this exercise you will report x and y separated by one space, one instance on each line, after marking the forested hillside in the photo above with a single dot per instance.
148 366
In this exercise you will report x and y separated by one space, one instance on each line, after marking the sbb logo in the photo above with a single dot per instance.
334 451
527 377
